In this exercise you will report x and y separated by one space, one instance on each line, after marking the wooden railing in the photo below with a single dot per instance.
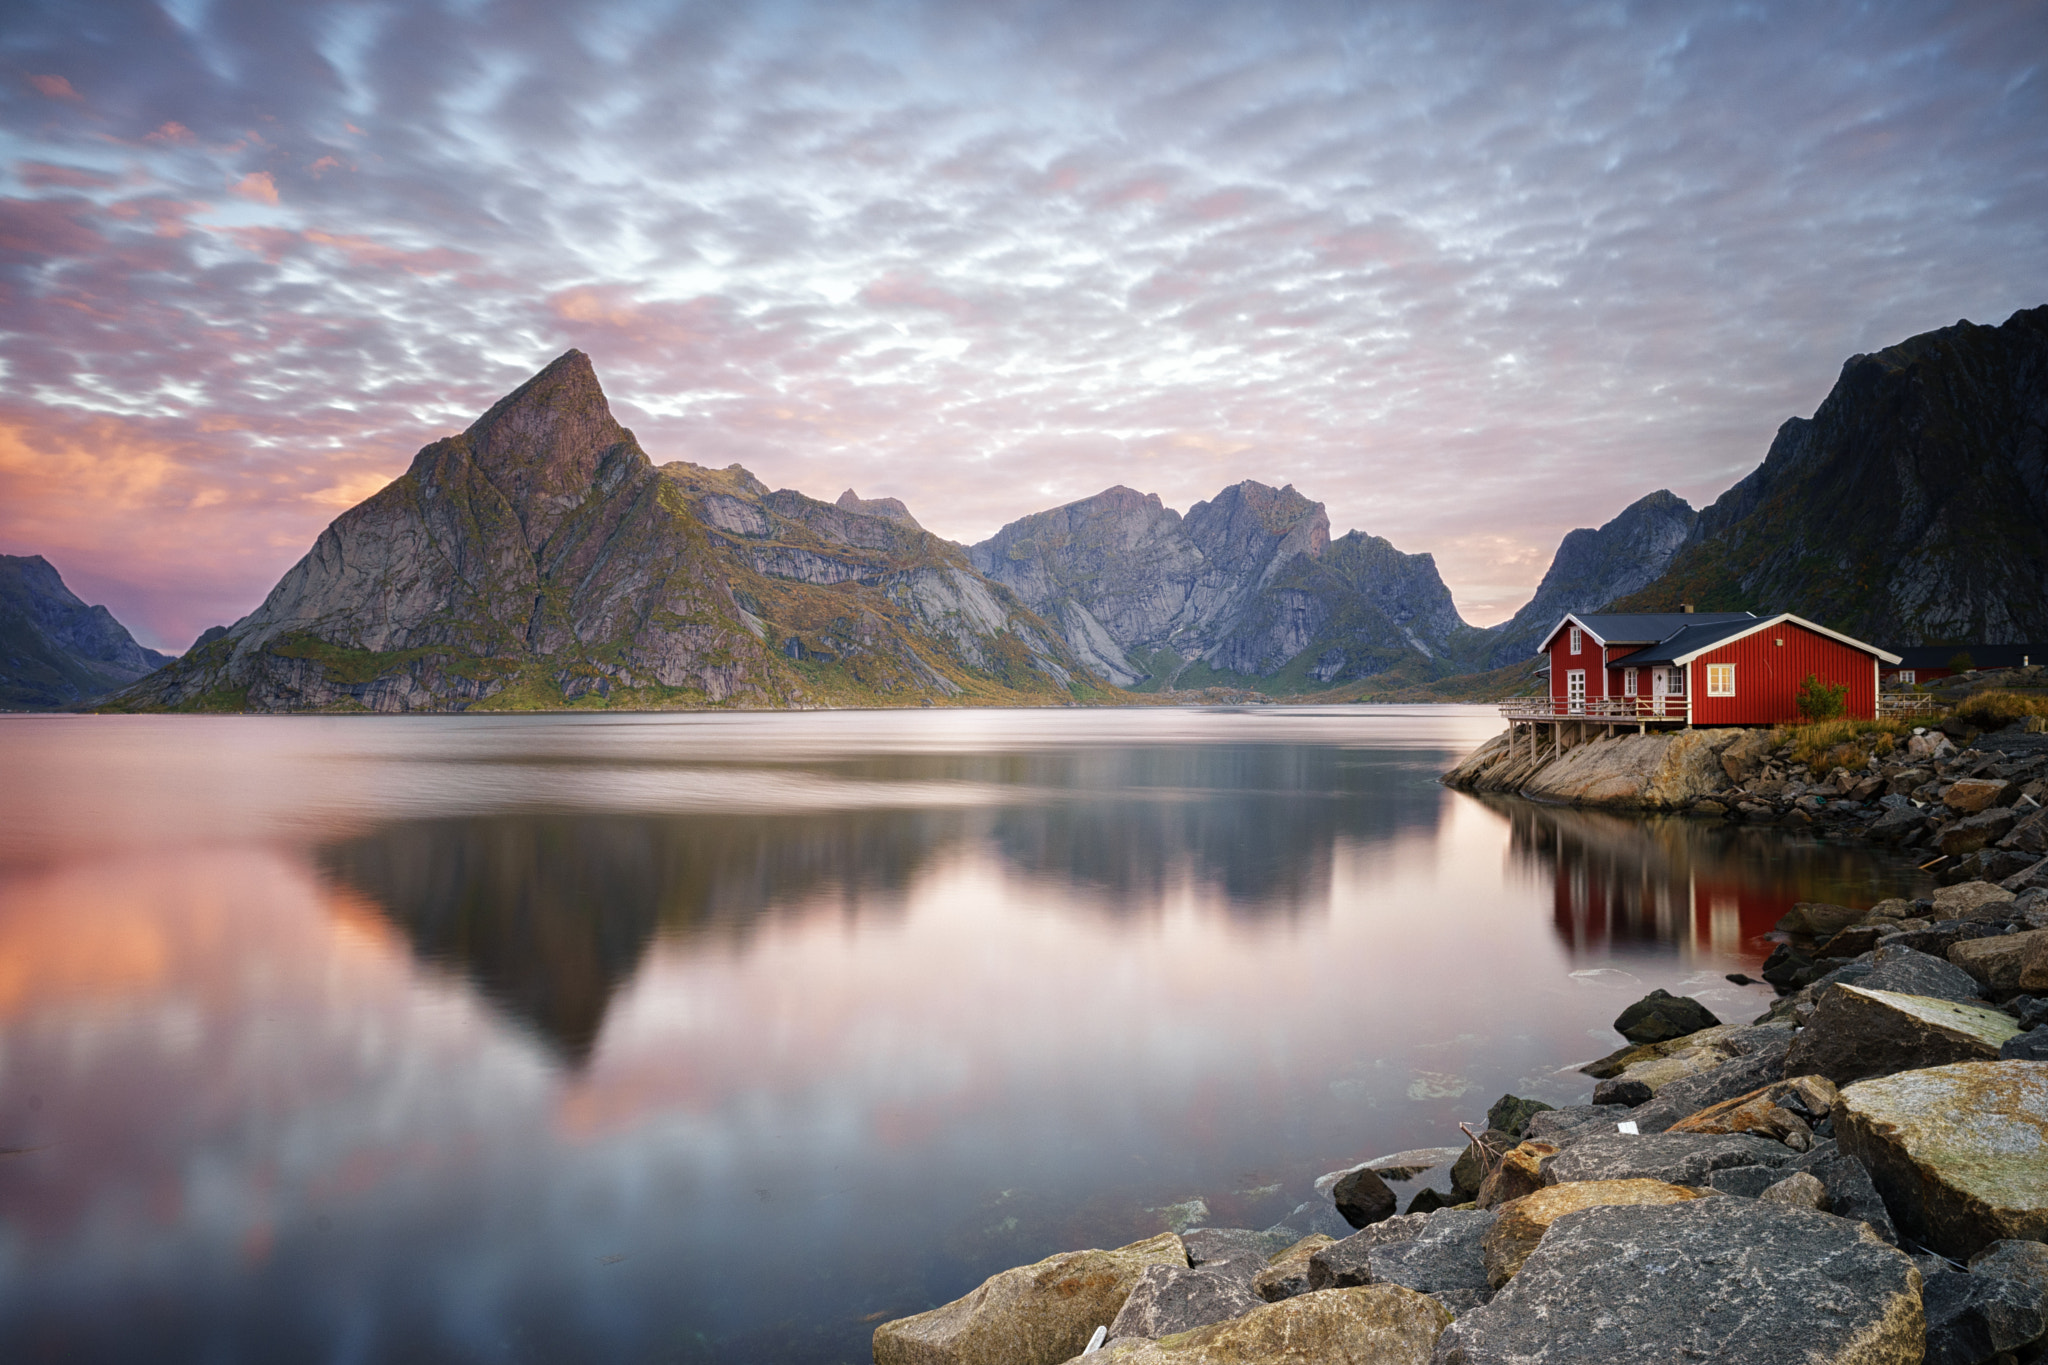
1632 710
1904 704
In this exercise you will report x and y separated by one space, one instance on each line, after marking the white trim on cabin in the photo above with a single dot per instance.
1834 635
1571 618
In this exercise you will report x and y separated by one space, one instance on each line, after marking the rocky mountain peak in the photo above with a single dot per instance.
549 435
891 509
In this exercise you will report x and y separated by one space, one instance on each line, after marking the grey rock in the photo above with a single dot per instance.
1800 1190
1408 1165
1710 1279
1575 1120
1675 1158
2026 1262
1444 1260
1661 1015
2028 1047
1345 1263
1971 1318
1907 971
1169 1299
2031 1011
1363 1198
1214 1246
1745 1182
1851 1193
1738 1076
1623 1092
1313 1216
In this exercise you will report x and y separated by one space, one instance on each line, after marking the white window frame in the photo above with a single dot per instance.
1577 641
1674 681
1575 691
1714 688
1628 682
1907 676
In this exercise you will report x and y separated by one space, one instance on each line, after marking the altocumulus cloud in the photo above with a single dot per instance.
1470 278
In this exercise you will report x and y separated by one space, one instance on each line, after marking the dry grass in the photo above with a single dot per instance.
1996 710
1824 746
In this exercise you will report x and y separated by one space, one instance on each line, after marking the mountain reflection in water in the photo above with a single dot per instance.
711 1038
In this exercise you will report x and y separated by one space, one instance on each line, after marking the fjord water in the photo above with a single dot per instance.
720 1037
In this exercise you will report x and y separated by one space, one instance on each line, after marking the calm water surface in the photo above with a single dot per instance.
720 1037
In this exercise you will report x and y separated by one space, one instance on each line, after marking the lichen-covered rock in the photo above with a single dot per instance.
1974 794
1469 1172
1704 1279
1523 1222
1800 1190
1959 1152
1965 899
1286 1274
1169 1299
1520 1172
1348 1261
1714 1085
1783 1110
1372 1325
1511 1114
1660 1015
2008 962
1855 1034
1030 1315
1674 1158
1207 1246
1443 1259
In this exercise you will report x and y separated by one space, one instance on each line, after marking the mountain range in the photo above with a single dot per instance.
541 559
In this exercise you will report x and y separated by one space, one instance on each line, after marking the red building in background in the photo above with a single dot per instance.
1704 668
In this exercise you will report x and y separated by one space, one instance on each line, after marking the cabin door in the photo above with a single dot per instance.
1660 681
1575 691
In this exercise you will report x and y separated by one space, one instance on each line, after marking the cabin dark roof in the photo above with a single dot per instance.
1647 628
1690 640
1981 656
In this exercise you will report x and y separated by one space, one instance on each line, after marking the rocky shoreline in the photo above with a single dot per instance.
1975 804
1860 1174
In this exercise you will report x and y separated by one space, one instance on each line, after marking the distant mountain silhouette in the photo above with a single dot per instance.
54 649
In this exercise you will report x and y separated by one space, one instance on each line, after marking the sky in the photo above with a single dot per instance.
1471 275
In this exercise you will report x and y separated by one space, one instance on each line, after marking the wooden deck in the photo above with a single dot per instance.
1643 711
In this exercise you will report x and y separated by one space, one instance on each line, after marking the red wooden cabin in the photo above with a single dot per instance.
1925 663
1703 668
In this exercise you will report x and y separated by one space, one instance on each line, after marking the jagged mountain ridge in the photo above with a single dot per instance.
539 558
54 649
1911 508
1244 586
1594 567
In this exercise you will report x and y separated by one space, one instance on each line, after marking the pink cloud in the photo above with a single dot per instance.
175 134
257 187
55 87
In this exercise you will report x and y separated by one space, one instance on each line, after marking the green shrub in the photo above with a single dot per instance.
1821 701
1961 661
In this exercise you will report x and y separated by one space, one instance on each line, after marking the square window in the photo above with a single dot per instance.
1906 675
1720 680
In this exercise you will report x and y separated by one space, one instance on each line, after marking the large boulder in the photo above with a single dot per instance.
1660 1015
1667 771
1213 1246
2030 835
1031 1315
1169 1299
1374 1325
1349 1262
1959 1152
1974 832
1974 794
1480 1157
1444 1259
1520 1172
1523 1222
1971 1318
1363 1198
1704 1279
1907 971
1965 900
1674 1158
2009 962
1855 1034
